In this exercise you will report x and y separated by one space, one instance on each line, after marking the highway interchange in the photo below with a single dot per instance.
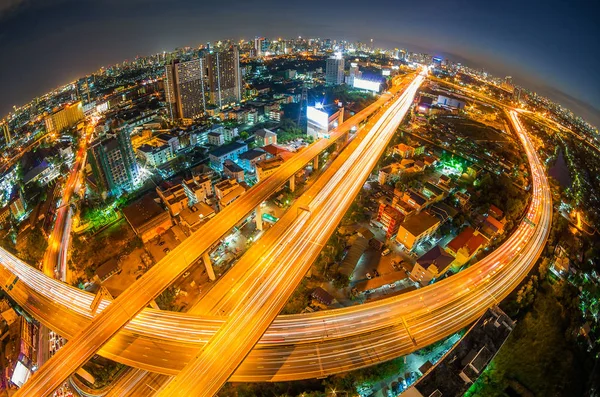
300 346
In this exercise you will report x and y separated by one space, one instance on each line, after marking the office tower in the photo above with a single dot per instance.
113 163
354 73
223 76
6 132
185 89
64 118
258 46
85 88
334 71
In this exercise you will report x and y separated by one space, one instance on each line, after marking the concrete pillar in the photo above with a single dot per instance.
208 265
258 218
293 183
316 163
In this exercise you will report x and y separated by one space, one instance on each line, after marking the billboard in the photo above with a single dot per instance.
362 84
317 116
317 123
385 72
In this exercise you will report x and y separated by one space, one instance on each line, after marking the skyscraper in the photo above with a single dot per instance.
354 73
113 163
6 132
258 46
185 88
334 70
223 76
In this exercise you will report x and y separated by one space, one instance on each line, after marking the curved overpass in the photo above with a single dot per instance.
316 344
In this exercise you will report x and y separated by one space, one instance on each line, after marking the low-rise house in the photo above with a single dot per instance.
216 138
226 152
265 137
403 150
248 159
465 246
431 265
233 171
433 192
492 227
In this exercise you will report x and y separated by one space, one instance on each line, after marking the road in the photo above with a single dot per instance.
342 339
134 299
272 271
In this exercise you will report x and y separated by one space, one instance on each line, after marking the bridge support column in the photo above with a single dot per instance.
258 218
316 163
293 183
208 265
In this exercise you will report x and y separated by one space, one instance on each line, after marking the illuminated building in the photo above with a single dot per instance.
84 87
6 132
64 118
185 88
258 46
113 163
319 122
464 246
355 73
367 85
334 70
223 77
416 228
431 265
390 218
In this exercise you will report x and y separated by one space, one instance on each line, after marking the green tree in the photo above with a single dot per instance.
35 246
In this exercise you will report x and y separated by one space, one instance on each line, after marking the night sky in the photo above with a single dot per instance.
549 46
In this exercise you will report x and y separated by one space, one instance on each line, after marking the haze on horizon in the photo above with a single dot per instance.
550 49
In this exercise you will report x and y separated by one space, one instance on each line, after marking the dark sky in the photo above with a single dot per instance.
549 46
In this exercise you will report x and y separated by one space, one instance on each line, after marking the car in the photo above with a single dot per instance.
386 252
369 276
186 274
166 250
161 243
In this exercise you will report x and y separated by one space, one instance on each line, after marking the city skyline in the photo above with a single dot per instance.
536 50
302 200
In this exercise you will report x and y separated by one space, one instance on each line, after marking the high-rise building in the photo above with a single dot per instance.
85 88
258 46
113 163
334 70
5 132
223 76
354 73
185 88
64 118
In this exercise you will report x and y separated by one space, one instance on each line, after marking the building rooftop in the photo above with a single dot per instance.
437 257
443 211
271 163
232 167
265 133
274 150
251 154
467 239
419 223
433 189
143 210
226 149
